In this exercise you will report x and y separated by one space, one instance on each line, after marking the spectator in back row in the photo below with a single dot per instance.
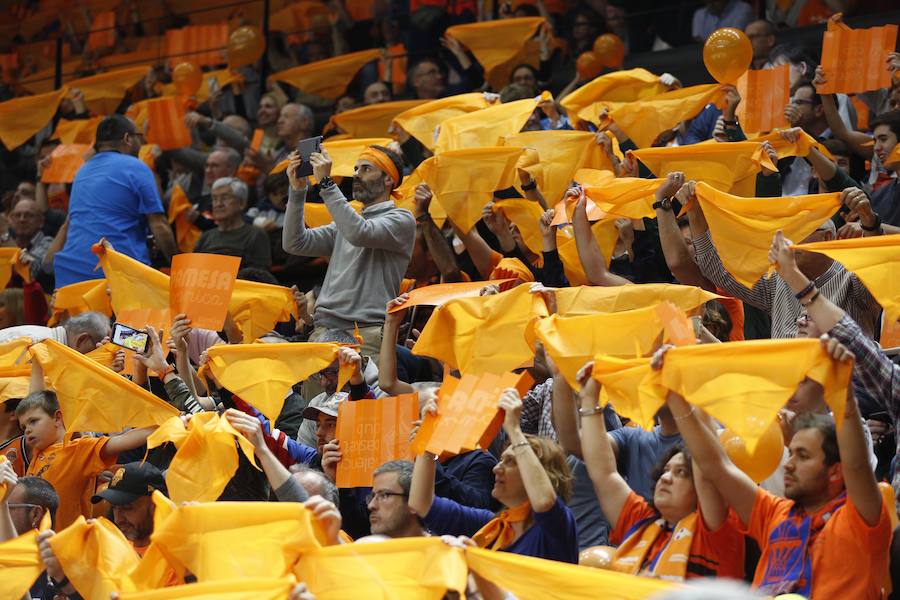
233 236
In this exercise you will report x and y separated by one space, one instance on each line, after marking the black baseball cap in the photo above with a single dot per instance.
130 482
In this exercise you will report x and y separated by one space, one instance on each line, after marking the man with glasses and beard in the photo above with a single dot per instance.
368 252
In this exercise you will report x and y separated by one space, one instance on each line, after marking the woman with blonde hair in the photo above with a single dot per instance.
532 482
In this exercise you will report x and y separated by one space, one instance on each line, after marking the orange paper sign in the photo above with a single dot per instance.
440 293
764 94
678 327
468 417
853 59
200 287
371 433
165 123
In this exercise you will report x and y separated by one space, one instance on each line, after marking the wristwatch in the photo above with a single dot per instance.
326 183
664 204
875 227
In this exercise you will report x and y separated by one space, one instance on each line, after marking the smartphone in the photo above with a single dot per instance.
213 85
305 148
130 338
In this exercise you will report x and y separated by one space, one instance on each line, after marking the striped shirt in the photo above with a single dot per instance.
775 297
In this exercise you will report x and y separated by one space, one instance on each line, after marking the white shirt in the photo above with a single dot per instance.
35 332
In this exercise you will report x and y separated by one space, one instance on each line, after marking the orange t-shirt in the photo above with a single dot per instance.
847 558
70 468
16 453
718 553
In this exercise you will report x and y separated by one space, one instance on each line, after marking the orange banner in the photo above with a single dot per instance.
186 233
764 94
200 287
468 417
440 293
203 45
853 59
678 327
65 160
371 433
103 31
77 131
165 123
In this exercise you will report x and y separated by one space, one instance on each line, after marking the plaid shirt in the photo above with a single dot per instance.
537 411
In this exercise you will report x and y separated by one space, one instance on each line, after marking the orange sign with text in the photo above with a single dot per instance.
764 94
201 287
853 59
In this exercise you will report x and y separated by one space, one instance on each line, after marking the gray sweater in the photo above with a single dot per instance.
369 255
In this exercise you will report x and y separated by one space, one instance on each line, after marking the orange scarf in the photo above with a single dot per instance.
498 533
672 561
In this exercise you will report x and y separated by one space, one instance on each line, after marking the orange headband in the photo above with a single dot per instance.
382 161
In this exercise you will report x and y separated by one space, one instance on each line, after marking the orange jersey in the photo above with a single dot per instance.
718 553
16 453
832 553
70 468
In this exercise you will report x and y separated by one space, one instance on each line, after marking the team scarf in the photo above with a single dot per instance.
670 563
788 565
498 533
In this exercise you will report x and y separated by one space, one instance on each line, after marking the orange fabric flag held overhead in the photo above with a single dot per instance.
499 46
526 216
206 459
423 121
77 131
373 120
327 78
345 153
486 127
742 228
629 197
262 374
853 59
81 297
186 233
764 94
441 293
65 160
372 432
257 307
104 92
21 562
587 300
10 260
84 388
201 286
248 588
609 91
139 294
165 123
12 352
21 118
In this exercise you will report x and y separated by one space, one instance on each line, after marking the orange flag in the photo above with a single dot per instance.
21 118
605 233
247 588
77 131
139 294
257 307
609 91
559 155
587 300
327 78
853 59
742 228
468 417
441 293
317 215
345 153
373 432
678 328
764 94
423 121
204 45
262 374
11 354
643 120
103 31
373 120
463 181
65 160
10 260
783 147
81 297
186 233
463 333
630 197
526 216
488 126
21 562
206 459
399 62
499 46
104 92
165 121
201 286
84 388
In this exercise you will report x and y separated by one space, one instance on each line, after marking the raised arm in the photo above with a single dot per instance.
855 139
479 251
162 234
123 442
675 248
438 248
295 237
537 483
589 252
611 489
250 427
563 409
387 357
421 489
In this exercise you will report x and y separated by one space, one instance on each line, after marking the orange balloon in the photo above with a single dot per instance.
187 78
727 54
609 50
587 66
599 557
765 458
245 46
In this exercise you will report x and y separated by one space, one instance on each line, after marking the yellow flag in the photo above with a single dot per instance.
85 389
560 154
423 568
327 78
20 563
373 120
80 297
139 294
16 386
574 341
186 233
630 197
631 386
206 459
77 131
875 260
526 215
610 91
155 570
727 167
529 577
13 351
463 333
784 148
344 153
499 46
587 300
423 121
464 181
10 260
21 118
262 374
742 228
257 307
248 588
605 233
104 92
643 120
226 540
96 557
485 127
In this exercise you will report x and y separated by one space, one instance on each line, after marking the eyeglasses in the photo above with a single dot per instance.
327 373
382 495
23 505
